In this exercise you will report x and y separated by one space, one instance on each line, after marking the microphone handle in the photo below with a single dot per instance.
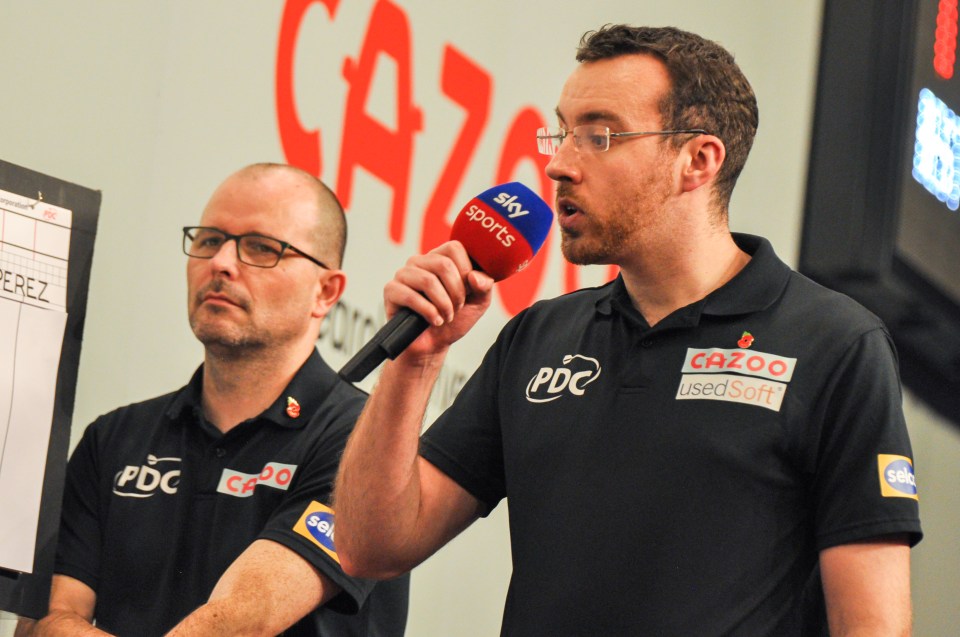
394 337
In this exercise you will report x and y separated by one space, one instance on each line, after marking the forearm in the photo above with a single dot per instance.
220 618
71 613
867 588
377 494
63 624
264 592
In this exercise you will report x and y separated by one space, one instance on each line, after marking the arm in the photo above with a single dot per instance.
394 509
265 591
867 588
71 610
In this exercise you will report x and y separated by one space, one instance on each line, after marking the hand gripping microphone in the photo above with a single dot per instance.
502 228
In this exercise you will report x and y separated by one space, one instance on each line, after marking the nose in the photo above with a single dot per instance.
227 258
565 164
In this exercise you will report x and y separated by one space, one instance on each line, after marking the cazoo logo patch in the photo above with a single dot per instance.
737 376
550 383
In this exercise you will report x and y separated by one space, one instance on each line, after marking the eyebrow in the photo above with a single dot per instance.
252 233
592 117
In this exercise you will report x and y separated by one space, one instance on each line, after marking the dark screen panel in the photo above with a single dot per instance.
928 233
871 229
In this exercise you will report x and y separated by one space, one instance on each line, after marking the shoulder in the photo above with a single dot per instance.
344 403
824 309
836 342
571 307
331 404
143 415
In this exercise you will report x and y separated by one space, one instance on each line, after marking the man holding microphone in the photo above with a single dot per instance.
728 460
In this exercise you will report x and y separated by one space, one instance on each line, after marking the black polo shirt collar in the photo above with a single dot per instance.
756 287
308 389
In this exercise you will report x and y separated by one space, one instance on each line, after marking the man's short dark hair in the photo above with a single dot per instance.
709 90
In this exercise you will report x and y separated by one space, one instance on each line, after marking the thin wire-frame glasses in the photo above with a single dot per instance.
203 242
593 138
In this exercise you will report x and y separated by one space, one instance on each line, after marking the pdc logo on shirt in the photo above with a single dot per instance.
550 383
157 475
317 524
897 479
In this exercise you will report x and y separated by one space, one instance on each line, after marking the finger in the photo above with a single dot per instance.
449 269
430 285
455 251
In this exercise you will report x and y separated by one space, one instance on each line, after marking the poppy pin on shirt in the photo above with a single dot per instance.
293 407
746 340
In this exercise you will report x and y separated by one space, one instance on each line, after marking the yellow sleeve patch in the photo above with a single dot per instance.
316 524
897 479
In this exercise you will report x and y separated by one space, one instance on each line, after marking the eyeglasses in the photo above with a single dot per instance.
202 242
593 138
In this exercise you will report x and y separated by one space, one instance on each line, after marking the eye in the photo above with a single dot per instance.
262 246
597 141
207 239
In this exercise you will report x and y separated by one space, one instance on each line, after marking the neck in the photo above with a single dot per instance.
240 386
681 269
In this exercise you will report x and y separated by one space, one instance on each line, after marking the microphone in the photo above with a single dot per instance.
501 228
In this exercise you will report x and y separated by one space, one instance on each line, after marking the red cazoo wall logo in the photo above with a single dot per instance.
386 152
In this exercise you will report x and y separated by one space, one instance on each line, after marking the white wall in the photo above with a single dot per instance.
155 103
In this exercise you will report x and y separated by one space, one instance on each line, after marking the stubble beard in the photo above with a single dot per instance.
225 340
602 241
212 326
609 239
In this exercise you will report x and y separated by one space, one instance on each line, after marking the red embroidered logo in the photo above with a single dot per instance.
293 407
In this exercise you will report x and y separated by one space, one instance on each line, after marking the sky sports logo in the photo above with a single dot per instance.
897 479
514 207
736 375
491 224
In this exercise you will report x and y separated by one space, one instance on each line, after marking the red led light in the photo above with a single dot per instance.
945 43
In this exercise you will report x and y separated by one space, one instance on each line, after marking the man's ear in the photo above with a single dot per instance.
705 156
330 289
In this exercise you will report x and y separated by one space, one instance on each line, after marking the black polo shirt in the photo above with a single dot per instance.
681 479
158 503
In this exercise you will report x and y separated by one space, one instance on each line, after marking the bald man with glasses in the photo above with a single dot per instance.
207 511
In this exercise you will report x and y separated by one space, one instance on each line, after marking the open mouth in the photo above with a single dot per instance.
569 214
566 207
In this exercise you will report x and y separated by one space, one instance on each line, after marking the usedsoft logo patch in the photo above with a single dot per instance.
897 479
736 375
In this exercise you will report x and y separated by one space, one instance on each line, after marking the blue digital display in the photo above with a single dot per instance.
936 150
